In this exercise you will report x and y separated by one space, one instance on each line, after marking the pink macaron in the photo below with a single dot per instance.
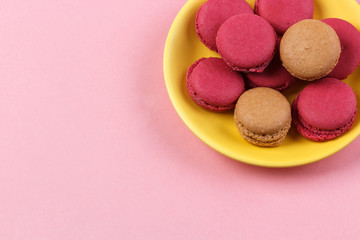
275 76
212 14
281 14
350 47
246 42
324 109
213 85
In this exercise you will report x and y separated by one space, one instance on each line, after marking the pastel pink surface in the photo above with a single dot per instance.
91 147
350 47
246 42
324 109
281 14
274 76
212 14
213 85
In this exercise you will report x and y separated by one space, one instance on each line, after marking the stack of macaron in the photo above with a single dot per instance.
261 54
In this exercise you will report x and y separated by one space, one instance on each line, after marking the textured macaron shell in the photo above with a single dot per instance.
350 47
212 14
246 42
310 49
263 110
263 116
316 134
327 104
264 140
213 85
274 76
282 14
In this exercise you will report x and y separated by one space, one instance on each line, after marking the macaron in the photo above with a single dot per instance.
282 14
263 116
246 42
350 47
274 76
310 49
213 85
324 109
212 14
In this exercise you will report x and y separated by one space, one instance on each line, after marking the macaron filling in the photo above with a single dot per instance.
281 87
269 139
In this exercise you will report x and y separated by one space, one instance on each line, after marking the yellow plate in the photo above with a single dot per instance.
218 130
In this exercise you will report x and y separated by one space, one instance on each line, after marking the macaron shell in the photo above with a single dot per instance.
246 42
263 111
327 104
350 47
213 85
263 140
275 76
310 49
212 14
316 134
282 14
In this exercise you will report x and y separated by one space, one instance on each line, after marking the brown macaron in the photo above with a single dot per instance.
263 116
310 49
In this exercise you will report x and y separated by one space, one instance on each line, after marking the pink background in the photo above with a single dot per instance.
91 147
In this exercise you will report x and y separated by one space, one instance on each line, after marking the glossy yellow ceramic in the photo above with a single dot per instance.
218 129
